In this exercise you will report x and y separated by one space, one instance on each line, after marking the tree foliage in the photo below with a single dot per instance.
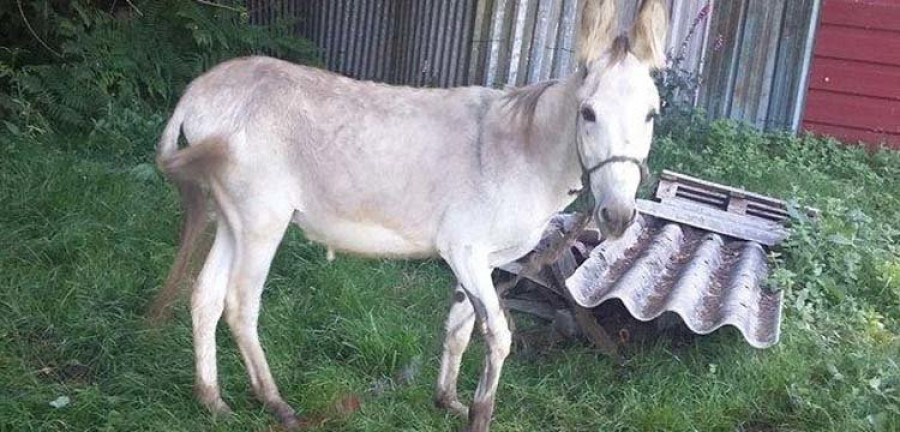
65 66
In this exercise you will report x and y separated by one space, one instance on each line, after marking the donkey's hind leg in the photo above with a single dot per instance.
207 302
460 322
256 240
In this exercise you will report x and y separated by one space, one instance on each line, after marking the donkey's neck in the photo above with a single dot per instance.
551 152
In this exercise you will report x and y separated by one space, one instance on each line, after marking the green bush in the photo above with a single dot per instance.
136 58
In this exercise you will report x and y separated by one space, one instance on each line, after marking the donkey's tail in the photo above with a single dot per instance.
188 169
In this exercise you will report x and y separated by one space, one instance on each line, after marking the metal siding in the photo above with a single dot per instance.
750 54
853 92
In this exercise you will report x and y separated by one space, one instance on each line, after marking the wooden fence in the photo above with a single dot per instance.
752 55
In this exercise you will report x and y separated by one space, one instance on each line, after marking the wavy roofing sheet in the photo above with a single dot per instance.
708 279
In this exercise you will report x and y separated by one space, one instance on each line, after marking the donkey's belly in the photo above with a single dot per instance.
365 238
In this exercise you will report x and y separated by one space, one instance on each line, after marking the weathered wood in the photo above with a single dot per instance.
756 64
563 63
719 75
538 309
791 50
480 41
499 41
521 43
737 226
544 27
670 181
562 269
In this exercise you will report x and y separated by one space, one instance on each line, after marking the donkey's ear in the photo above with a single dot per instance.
599 23
648 36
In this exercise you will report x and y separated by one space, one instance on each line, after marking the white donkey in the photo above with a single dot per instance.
469 174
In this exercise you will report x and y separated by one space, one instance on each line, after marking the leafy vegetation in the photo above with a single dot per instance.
119 62
89 229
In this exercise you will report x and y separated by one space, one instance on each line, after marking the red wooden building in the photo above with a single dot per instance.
854 84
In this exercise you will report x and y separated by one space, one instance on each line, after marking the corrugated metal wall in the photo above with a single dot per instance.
420 43
752 55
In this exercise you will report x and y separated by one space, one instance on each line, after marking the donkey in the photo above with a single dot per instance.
468 174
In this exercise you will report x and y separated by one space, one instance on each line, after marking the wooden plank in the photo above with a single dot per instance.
852 135
686 179
850 43
855 78
756 66
480 41
551 45
564 62
715 94
498 42
877 115
543 28
882 15
717 221
519 43
790 57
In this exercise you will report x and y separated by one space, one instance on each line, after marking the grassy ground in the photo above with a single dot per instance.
86 241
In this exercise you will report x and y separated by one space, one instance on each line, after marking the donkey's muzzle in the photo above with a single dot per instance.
615 218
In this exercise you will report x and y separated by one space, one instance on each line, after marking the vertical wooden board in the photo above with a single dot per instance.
753 84
500 30
455 41
453 20
563 62
480 42
462 57
382 48
414 40
696 32
789 61
718 77
546 25
527 42
517 41
440 37
551 43
331 41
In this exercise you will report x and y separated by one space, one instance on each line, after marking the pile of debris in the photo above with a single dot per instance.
699 252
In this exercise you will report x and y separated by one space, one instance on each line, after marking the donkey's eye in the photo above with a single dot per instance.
588 114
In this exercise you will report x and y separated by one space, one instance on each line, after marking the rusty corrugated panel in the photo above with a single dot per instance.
698 252
707 279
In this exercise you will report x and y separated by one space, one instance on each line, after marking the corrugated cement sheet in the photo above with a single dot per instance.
708 279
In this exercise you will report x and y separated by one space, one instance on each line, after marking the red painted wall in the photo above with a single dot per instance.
854 87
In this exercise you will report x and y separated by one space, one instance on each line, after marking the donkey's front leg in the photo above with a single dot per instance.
474 273
459 326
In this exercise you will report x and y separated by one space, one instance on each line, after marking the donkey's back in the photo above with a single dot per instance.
366 167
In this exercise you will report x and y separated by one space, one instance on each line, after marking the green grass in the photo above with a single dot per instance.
86 241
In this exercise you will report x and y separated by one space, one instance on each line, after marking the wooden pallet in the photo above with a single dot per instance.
720 209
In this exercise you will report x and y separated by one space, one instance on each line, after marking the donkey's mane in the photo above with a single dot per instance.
522 102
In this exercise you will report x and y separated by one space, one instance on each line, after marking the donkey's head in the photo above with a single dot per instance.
618 102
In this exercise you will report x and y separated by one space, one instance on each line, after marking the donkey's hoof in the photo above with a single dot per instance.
218 408
286 416
213 402
453 405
